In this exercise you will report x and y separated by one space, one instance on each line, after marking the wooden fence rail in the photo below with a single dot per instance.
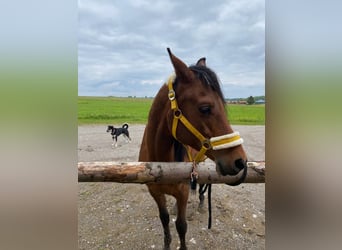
162 172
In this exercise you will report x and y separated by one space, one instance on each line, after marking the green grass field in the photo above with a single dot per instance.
115 110
246 114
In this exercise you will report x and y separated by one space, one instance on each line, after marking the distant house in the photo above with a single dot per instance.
261 101
236 102
231 101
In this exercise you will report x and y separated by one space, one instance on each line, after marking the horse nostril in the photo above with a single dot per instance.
239 164
235 169
224 170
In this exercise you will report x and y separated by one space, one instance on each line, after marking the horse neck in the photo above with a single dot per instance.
160 140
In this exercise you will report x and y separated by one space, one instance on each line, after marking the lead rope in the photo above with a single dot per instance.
193 176
193 182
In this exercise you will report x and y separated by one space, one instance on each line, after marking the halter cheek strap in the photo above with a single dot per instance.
215 143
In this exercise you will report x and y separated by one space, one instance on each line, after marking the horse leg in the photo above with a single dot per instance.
164 217
181 225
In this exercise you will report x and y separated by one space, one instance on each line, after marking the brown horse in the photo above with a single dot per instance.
189 110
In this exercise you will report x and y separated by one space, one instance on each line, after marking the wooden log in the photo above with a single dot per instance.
162 172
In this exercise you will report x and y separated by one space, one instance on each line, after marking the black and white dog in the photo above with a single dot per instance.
115 132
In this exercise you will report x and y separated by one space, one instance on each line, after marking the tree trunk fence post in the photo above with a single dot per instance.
162 172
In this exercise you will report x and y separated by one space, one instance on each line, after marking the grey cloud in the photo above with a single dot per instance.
125 43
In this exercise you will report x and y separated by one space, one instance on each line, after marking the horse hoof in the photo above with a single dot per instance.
201 209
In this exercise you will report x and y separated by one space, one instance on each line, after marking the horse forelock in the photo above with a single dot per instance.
208 77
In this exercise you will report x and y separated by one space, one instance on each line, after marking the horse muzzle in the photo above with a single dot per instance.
234 170
238 171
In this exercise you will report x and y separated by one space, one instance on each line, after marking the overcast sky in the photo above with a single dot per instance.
122 44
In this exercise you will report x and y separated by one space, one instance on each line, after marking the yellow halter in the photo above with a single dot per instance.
215 143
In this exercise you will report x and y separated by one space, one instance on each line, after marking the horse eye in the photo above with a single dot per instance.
206 110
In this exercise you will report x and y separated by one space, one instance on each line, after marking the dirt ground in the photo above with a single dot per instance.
124 216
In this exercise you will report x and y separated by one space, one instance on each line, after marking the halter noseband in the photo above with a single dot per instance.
215 143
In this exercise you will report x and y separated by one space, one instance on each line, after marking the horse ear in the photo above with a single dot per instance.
182 71
201 62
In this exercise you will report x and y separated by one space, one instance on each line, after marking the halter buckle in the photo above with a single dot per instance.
177 113
172 94
206 144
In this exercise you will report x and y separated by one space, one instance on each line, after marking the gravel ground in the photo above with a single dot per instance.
125 216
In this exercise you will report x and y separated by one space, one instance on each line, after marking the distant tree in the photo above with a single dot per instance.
260 97
250 100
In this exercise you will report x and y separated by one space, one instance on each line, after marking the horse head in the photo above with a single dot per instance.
198 117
